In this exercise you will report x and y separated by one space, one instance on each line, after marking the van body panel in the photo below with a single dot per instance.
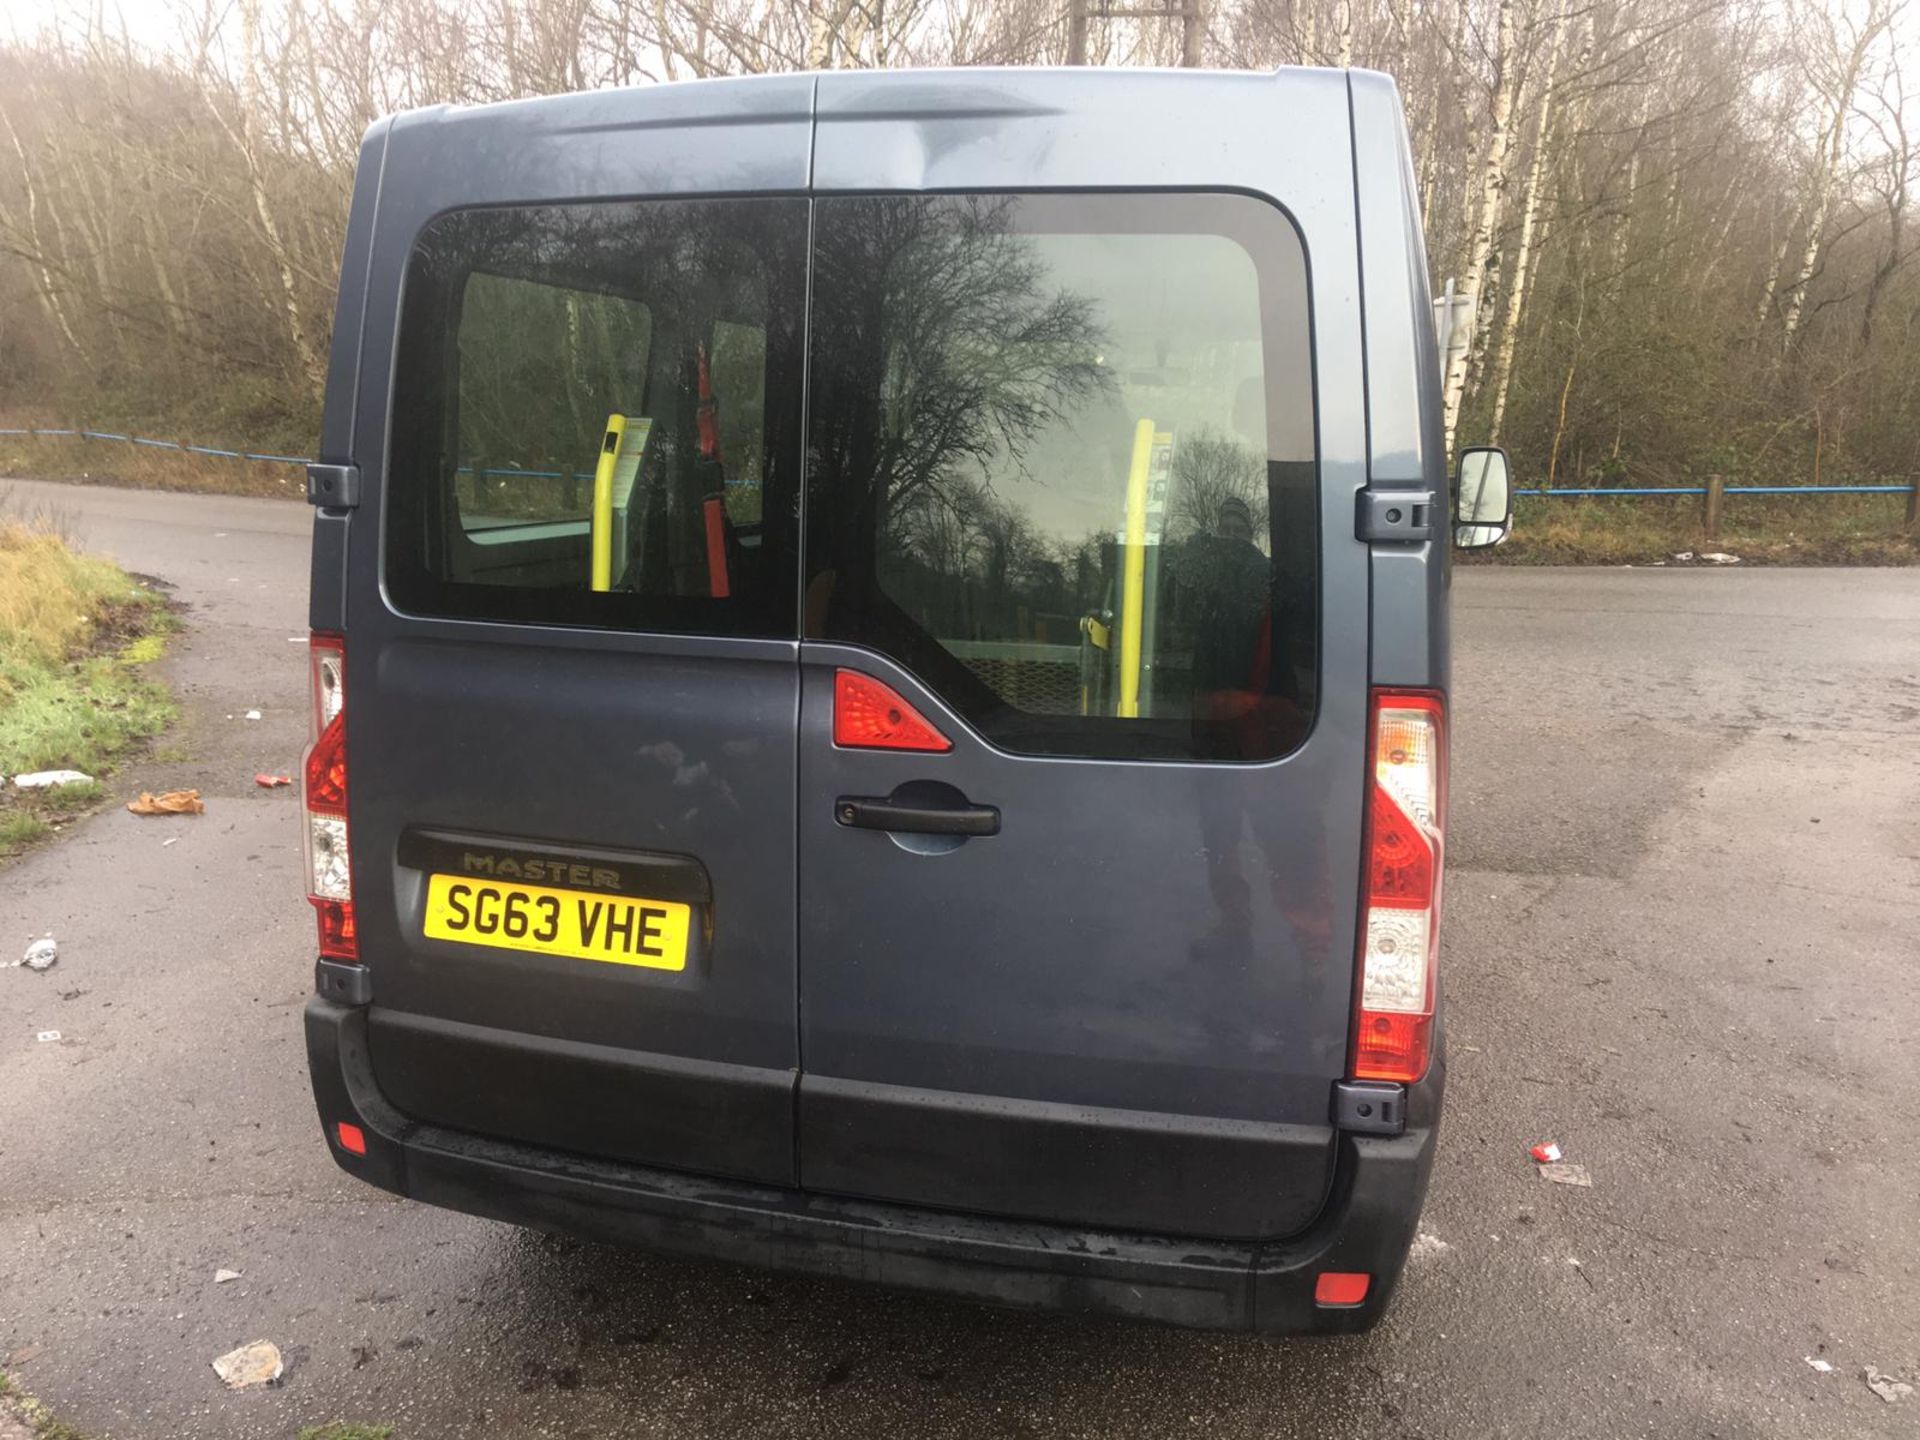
1406 444
510 716
551 737
328 580
1076 958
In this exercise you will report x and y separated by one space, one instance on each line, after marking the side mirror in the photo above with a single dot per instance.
1483 498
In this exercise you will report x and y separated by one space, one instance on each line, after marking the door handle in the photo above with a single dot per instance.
881 812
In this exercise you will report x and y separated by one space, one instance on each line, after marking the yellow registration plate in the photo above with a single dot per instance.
618 929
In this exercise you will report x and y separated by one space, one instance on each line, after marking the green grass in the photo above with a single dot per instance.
1760 529
347 1430
16 1404
19 829
76 634
74 799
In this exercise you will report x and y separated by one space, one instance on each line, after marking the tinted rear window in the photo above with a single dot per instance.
529 337
1062 465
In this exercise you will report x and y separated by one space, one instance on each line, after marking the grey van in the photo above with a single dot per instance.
895 629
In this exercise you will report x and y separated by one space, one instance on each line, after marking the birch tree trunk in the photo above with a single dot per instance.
819 35
1492 191
49 295
247 141
1523 251
1802 214
1877 19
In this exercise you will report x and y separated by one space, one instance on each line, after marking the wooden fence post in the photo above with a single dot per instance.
1716 494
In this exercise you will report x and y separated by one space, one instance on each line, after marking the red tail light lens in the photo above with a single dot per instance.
1400 923
324 773
868 715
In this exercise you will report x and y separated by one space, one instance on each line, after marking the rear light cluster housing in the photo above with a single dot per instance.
323 775
1400 912
869 714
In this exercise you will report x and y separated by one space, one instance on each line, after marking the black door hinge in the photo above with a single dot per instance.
1369 1107
1394 516
333 487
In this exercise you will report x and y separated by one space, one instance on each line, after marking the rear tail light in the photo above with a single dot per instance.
1406 809
868 715
324 778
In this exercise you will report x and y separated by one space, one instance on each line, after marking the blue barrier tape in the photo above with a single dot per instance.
38 432
1819 489
1731 490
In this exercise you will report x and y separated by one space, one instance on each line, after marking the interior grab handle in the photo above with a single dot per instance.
881 812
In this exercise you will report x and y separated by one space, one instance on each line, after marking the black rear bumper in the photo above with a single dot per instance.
1366 1225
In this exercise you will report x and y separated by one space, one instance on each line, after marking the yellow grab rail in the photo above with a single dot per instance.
603 502
1133 589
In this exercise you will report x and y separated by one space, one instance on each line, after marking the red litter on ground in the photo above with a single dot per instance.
269 782
1546 1154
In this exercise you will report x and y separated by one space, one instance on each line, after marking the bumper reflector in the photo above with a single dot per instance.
1341 1287
353 1140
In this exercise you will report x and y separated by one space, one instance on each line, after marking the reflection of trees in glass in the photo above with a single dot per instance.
569 313
948 355
1208 470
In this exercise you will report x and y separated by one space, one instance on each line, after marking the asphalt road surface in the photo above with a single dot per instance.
1683 901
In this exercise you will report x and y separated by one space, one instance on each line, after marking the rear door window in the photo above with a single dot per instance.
596 416
1062 465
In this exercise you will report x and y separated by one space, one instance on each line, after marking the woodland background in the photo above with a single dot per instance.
1688 223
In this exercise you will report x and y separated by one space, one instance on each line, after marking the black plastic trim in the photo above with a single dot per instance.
880 812
333 487
1394 516
1369 1107
1366 1224
343 982
656 876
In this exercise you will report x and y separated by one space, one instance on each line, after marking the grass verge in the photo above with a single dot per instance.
347 1430
76 636
1760 529
20 1413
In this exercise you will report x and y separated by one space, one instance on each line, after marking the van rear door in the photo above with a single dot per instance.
1084 441
570 638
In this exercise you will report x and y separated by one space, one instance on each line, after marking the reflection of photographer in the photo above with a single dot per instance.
1228 578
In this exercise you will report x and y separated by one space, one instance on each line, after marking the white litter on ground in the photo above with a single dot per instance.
1824 1367
41 954
48 1037
223 1277
1889 1389
1719 557
51 779
253 714
250 1365
1565 1172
